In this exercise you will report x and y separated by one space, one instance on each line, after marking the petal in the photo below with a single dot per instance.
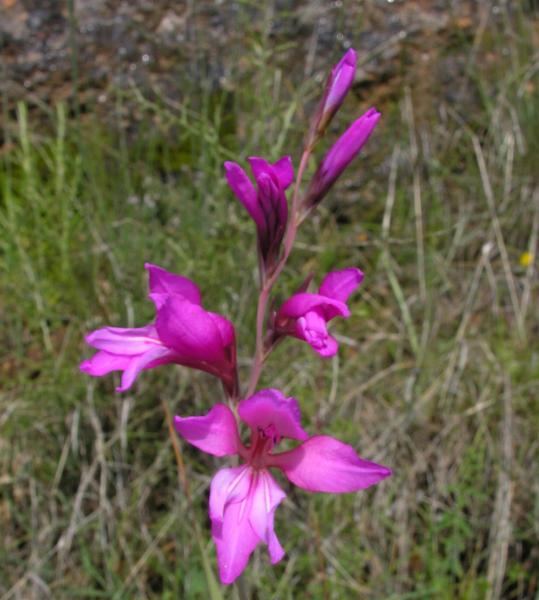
274 207
235 540
324 464
242 509
103 362
272 203
244 190
227 486
285 171
299 304
125 341
225 327
266 496
281 171
330 347
349 144
312 328
342 77
230 502
260 166
339 285
340 155
190 331
271 408
162 283
215 433
153 357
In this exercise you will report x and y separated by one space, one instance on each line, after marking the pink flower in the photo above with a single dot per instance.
338 84
305 315
267 205
243 499
183 333
339 156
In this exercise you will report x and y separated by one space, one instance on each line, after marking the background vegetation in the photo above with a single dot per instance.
438 371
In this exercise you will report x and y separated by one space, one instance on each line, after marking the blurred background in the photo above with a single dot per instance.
116 119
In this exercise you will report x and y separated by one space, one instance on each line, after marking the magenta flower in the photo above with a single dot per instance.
338 84
183 333
305 315
340 155
267 204
243 499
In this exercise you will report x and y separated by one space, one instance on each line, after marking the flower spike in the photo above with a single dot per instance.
243 498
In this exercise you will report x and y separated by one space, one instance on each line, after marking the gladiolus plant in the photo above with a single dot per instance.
245 495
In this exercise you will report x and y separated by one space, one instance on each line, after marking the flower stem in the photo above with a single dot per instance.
259 350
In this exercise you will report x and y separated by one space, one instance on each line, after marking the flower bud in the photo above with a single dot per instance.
339 82
343 151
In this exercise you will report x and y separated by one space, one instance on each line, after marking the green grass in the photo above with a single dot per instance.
436 377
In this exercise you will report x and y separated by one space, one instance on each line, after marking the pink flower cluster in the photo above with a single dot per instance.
243 499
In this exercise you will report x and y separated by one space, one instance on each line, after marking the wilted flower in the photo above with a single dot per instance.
267 204
243 499
339 157
305 315
183 333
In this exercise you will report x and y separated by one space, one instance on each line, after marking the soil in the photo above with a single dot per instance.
80 51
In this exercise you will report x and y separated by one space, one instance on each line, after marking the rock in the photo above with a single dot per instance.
159 44
13 23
